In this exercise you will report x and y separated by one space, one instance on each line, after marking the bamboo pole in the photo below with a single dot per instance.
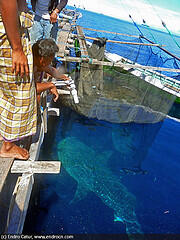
118 64
122 42
169 53
131 43
123 34
82 41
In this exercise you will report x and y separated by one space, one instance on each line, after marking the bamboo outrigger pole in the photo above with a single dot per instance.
118 64
123 34
121 42
130 43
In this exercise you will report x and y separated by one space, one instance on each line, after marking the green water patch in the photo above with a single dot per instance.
177 100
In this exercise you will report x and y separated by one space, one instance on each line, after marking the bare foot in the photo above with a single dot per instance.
10 150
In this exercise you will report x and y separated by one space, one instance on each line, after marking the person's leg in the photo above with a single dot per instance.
36 31
18 117
47 26
54 31
18 108
10 150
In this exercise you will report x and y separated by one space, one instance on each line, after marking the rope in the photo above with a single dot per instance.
136 25
164 25
148 28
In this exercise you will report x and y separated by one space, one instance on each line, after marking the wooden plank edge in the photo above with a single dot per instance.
5 165
53 111
19 205
36 167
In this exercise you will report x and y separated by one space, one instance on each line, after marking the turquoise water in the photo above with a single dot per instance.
115 178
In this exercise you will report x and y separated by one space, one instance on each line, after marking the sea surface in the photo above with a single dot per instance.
115 178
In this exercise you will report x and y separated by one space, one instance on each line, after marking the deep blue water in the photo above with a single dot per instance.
112 150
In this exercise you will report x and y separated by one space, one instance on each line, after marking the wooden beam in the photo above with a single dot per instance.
63 38
82 41
35 167
117 64
19 204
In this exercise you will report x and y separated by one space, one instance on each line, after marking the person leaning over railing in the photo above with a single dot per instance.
45 19
44 51
18 108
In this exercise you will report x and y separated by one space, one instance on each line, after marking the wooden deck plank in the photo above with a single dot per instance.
63 38
36 167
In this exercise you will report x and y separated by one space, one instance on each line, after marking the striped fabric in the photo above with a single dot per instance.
18 107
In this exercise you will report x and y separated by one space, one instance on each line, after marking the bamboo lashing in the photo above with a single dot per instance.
118 64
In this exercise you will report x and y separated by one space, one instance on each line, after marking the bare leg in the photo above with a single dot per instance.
10 150
38 98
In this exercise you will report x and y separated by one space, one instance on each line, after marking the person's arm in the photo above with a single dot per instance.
9 12
56 73
41 87
57 10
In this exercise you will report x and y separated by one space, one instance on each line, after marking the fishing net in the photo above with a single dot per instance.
114 94
143 54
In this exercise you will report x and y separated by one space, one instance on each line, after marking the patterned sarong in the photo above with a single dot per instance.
18 107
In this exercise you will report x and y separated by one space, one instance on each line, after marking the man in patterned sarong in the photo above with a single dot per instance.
18 107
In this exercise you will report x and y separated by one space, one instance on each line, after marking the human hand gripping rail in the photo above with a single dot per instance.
71 86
